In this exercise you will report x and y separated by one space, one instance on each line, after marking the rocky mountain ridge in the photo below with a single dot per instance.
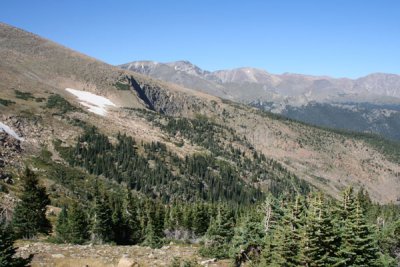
381 86
35 72
295 95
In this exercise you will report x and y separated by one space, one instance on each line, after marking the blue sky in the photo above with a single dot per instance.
341 38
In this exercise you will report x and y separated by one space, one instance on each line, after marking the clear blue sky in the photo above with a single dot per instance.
341 38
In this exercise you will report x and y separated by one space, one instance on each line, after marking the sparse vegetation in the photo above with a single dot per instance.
122 86
23 95
6 102
58 102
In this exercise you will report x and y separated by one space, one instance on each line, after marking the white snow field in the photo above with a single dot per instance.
7 129
95 103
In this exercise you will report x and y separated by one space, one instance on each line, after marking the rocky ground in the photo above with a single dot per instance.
63 255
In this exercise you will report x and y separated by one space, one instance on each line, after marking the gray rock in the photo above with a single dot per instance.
125 261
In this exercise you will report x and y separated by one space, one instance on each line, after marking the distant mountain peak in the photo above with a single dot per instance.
187 67
249 84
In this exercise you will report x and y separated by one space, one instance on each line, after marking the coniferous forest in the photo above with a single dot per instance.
123 192
153 163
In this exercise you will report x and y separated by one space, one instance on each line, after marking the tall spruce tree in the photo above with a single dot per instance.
62 227
132 219
120 224
358 246
7 249
272 212
201 219
248 239
289 231
30 213
78 226
72 225
366 249
101 227
320 237
219 234
154 225
152 239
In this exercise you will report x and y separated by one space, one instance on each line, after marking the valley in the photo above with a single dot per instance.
123 164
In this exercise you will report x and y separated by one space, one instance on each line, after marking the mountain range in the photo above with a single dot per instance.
50 95
367 104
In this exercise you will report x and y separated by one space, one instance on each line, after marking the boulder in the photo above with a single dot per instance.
125 261
208 262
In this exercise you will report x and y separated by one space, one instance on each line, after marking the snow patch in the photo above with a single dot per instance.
7 129
95 103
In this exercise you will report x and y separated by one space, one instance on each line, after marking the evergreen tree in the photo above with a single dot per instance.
30 213
201 219
272 212
72 225
121 227
219 234
283 243
366 249
101 228
248 239
152 239
62 227
132 219
289 231
389 243
320 239
272 252
358 246
78 231
154 225
7 250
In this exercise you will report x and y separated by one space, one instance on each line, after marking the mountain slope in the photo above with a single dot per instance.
314 88
294 95
231 137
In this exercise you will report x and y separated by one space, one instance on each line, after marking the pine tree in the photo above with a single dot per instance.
320 240
62 227
272 212
291 232
7 250
358 246
248 239
219 234
272 252
121 227
284 241
72 225
101 228
30 213
132 219
154 225
152 239
201 220
78 231
366 249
